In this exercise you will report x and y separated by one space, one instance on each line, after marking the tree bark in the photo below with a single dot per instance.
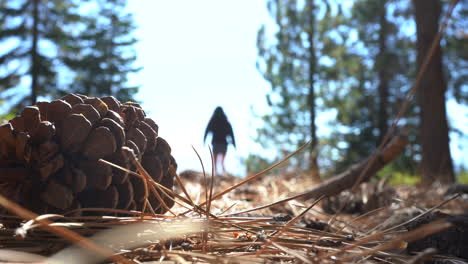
436 164
34 54
383 74
314 168
354 175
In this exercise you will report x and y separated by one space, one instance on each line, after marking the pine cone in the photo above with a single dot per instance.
49 156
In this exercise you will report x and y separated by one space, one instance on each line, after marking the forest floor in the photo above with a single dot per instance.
375 224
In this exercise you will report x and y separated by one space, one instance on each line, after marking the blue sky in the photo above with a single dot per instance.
197 55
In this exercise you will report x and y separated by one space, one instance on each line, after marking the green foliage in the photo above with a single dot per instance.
399 178
288 60
69 46
463 178
378 68
456 54
342 79
396 176
255 164
31 41
462 175
7 116
10 75
364 64
284 62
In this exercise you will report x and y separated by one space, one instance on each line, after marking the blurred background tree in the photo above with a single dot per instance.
379 74
102 56
31 29
53 46
366 63
339 68
290 62
436 163
10 75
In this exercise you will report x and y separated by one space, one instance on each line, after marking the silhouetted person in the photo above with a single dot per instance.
221 129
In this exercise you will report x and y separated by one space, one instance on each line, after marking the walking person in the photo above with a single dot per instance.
221 130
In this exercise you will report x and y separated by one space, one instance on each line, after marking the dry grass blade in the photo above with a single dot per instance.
15 256
357 244
292 253
220 194
33 223
63 232
350 223
453 197
266 205
196 207
145 183
213 171
203 171
230 239
110 211
167 192
129 236
215 259
160 187
146 178
184 190
273 237
421 257
421 232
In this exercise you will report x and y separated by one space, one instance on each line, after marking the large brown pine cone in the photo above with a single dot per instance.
49 156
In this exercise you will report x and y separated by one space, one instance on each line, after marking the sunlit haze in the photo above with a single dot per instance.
195 56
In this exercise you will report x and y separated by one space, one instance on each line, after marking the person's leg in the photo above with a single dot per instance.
223 155
219 153
215 156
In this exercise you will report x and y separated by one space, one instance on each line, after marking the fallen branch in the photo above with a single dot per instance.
348 178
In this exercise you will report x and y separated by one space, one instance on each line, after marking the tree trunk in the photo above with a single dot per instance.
383 75
314 168
436 162
34 55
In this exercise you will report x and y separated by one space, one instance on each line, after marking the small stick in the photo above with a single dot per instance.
423 231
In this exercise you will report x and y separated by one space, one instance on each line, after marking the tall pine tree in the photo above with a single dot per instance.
9 75
289 63
307 52
365 65
33 29
377 73
57 47
103 54
436 157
